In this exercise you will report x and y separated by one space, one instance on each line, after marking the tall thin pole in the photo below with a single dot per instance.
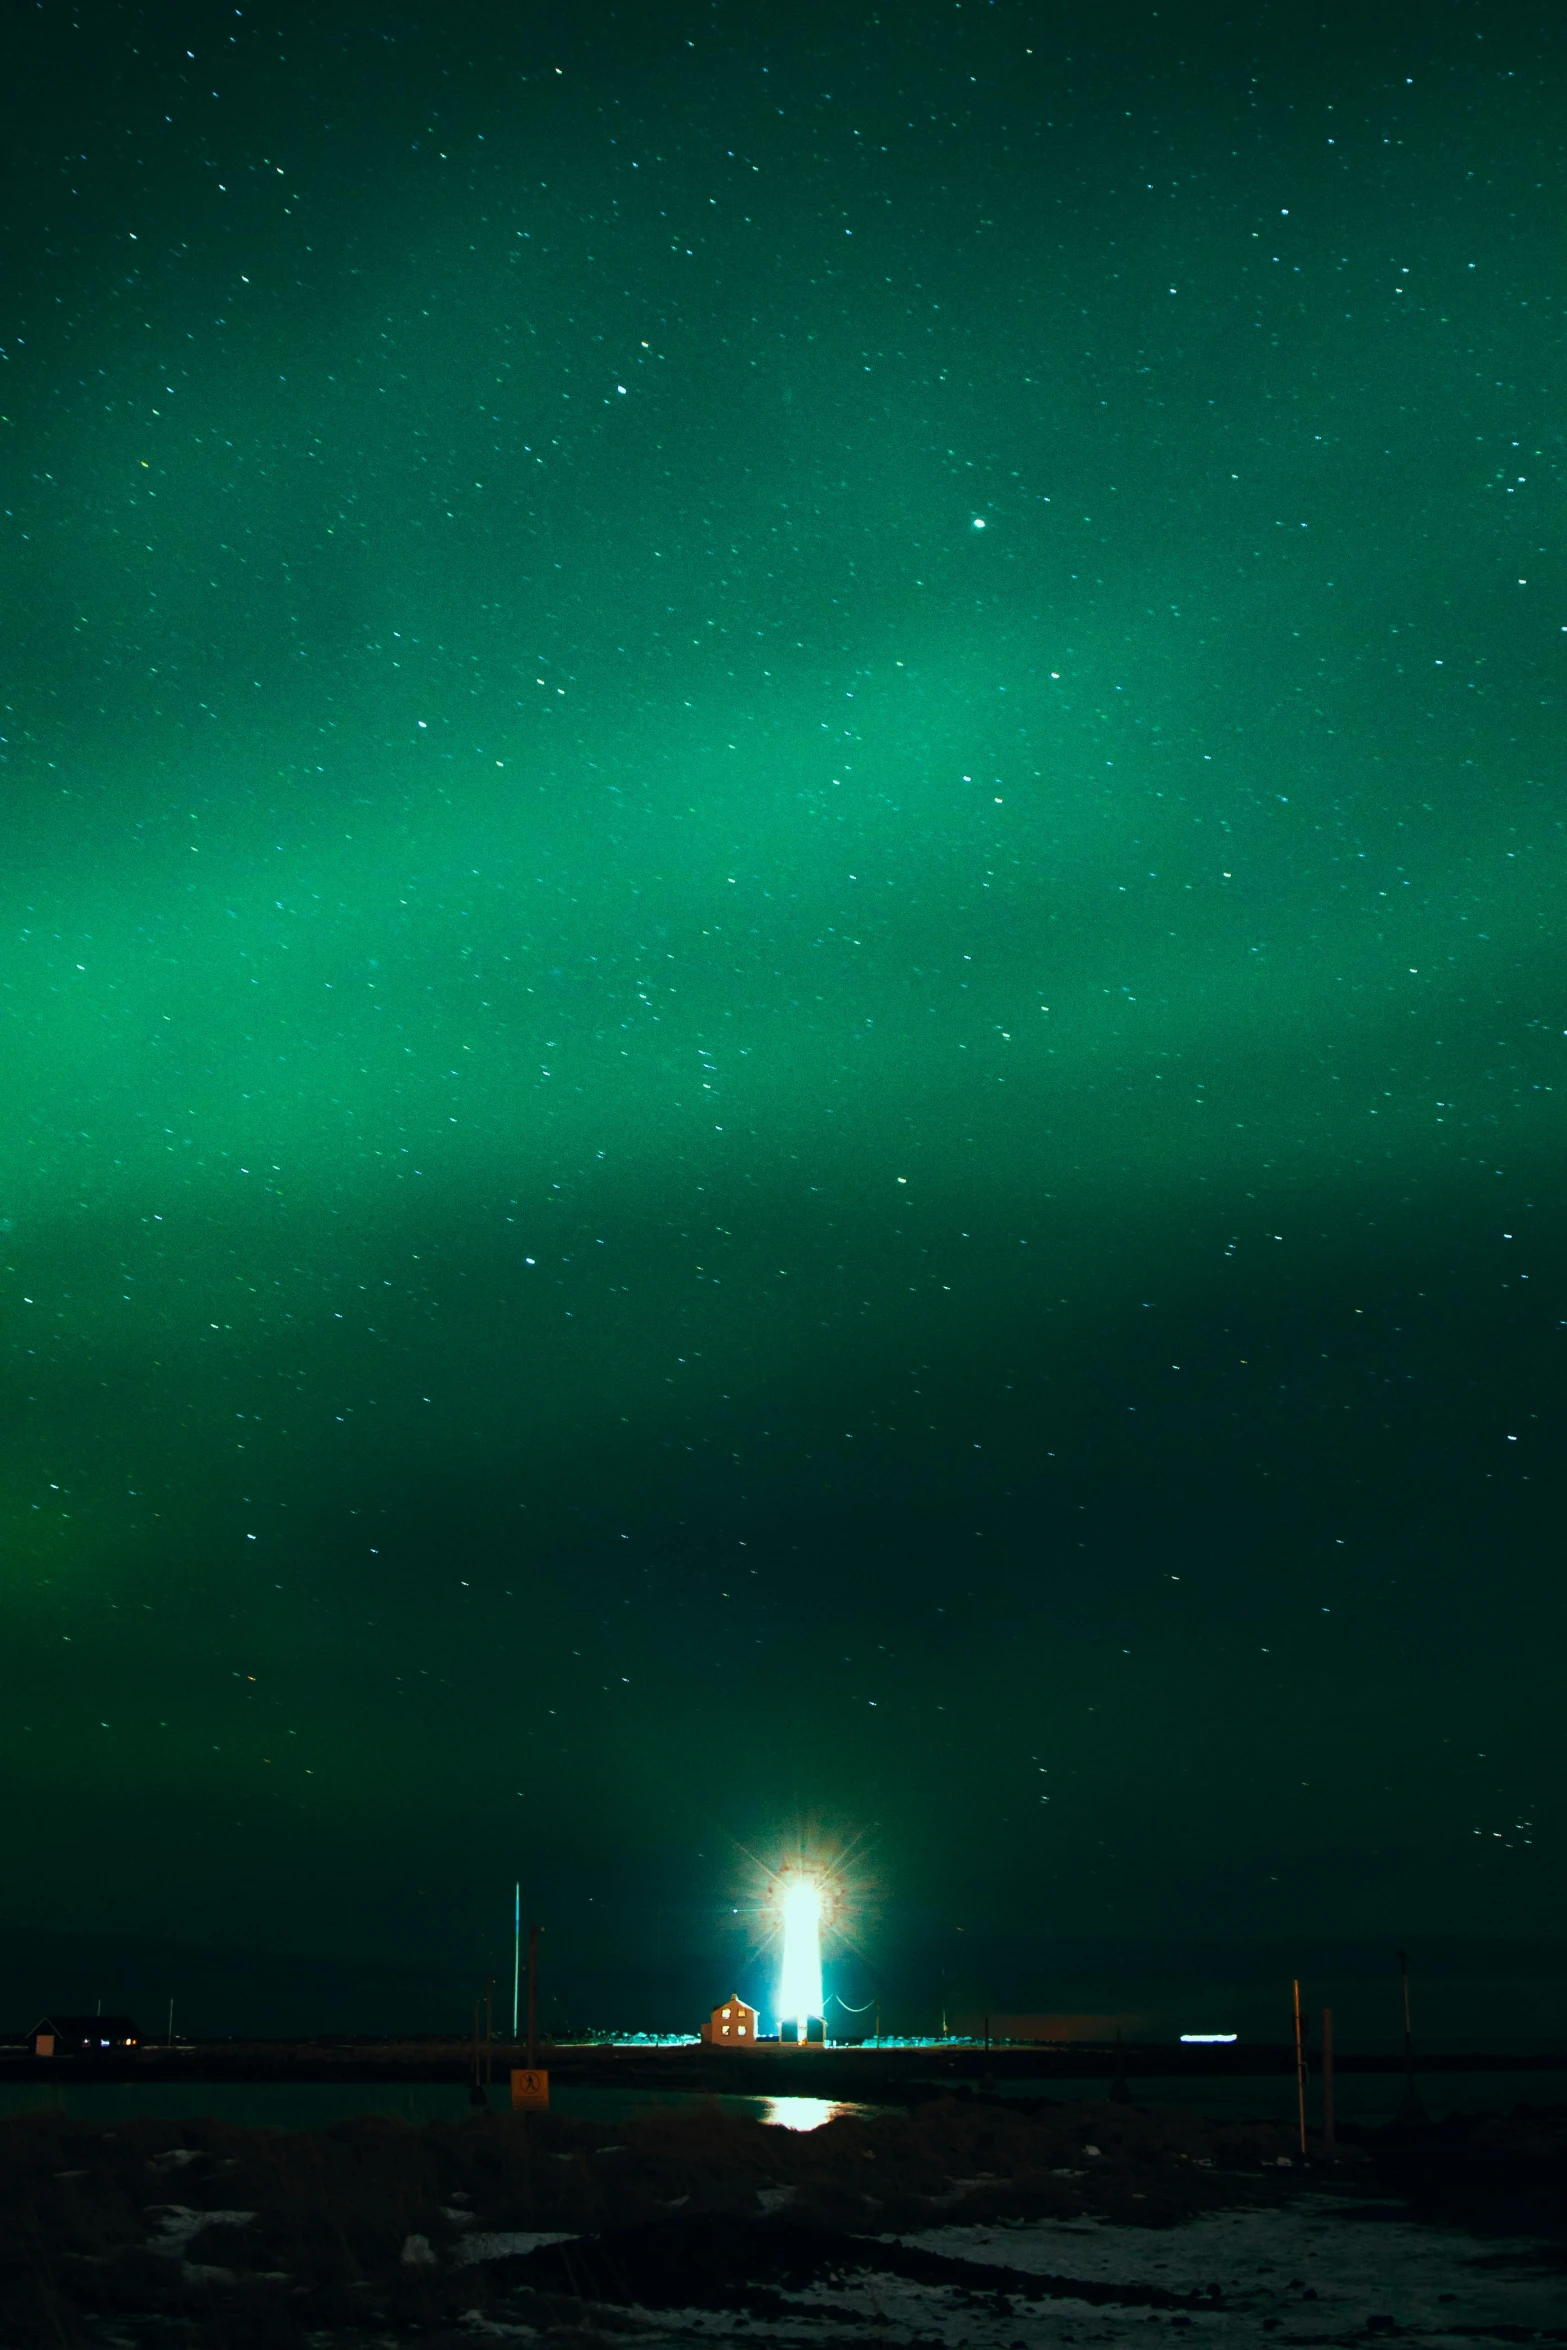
1328 2146
1300 2069
489 2031
533 1996
516 1957
171 2023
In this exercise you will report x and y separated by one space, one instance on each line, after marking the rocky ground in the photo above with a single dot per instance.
962 2221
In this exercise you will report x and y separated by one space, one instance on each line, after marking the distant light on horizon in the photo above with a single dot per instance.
1208 2039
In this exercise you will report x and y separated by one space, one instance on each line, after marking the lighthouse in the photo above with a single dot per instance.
800 1983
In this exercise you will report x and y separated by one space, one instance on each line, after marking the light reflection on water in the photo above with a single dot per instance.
307 2105
805 2113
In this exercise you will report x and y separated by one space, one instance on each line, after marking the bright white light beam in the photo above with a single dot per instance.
1208 2039
800 1985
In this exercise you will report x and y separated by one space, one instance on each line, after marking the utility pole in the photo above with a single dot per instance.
516 1957
489 2031
1300 2069
530 2090
1329 2146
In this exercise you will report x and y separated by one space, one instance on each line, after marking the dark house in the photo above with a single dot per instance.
82 2035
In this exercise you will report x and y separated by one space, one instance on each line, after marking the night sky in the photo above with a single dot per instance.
782 1002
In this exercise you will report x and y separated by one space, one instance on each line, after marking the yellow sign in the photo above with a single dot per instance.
530 2091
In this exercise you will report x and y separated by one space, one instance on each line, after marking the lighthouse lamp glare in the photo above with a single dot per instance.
800 1985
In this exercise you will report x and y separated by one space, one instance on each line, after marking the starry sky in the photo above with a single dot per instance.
782 996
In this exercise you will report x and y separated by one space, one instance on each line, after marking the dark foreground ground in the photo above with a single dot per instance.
960 2222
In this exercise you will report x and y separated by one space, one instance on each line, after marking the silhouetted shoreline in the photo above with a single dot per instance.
855 2073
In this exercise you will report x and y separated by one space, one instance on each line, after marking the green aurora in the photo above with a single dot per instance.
783 1003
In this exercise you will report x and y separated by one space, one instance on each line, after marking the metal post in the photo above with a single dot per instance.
1329 2148
1300 2069
489 2031
533 1995
516 1957
171 2023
